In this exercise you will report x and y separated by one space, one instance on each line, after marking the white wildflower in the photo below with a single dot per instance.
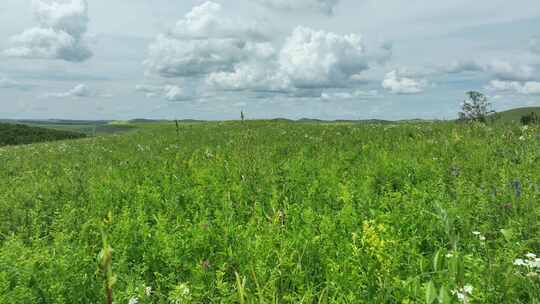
519 262
463 293
479 235
148 291
133 300
531 264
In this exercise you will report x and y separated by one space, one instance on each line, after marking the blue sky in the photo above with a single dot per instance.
329 59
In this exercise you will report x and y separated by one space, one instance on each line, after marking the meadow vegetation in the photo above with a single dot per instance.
18 134
274 212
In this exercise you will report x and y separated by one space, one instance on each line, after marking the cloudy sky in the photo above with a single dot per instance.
329 59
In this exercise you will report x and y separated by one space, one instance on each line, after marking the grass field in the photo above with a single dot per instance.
275 212
515 115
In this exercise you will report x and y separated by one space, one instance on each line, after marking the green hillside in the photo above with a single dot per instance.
515 115
17 134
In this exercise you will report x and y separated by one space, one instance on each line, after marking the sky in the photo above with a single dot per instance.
326 59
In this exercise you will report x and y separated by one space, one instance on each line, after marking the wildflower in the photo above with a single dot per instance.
463 293
133 300
531 264
468 289
479 235
148 291
519 262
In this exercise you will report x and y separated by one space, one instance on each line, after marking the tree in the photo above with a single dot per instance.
530 119
475 107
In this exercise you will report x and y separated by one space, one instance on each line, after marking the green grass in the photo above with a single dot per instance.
515 115
273 212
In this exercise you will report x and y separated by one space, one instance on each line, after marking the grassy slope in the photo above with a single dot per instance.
81 126
303 213
16 134
515 115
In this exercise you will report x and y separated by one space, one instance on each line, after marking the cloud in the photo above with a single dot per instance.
79 91
506 71
150 90
371 94
398 84
534 44
8 83
60 33
523 88
208 21
233 55
357 95
309 59
203 42
176 93
321 59
251 76
169 92
384 53
499 69
457 67
323 6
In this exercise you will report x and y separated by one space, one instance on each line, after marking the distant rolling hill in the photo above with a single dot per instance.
18 134
514 115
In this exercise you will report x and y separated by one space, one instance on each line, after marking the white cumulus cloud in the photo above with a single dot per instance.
169 92
524 88
203 42
507 71
209 21
175 93
398 84
323 6
499 69
355 95
321 59
238 55
251 76
60 33
309 59
79 91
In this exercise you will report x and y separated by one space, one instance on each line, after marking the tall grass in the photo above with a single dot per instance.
264 212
